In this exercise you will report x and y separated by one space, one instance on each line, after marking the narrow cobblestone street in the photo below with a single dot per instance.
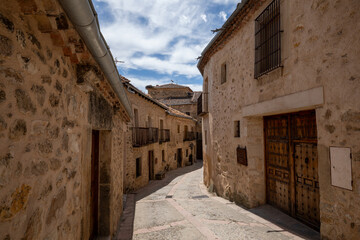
180 207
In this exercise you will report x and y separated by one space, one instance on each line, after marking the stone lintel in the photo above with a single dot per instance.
308 99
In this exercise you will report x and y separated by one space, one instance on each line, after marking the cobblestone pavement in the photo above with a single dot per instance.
180 207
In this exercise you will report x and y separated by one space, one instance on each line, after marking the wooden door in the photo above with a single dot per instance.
307 183
304 141
277 162
179 157
151 165
292 165
94 192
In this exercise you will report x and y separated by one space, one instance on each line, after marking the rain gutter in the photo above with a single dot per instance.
84 17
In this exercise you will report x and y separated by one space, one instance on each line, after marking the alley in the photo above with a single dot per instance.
180 207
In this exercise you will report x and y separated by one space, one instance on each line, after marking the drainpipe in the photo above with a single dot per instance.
84 17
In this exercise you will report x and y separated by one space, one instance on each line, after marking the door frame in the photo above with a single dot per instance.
291 145
94 183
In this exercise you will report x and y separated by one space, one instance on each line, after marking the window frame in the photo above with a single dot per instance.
268 40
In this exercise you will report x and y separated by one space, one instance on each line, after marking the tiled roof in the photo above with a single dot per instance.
175 101
170 85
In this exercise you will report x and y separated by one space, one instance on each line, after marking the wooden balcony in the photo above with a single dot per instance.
190 136
202 104
144 136
164 135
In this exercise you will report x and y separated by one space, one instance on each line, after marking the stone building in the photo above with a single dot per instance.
176 96
63 119
160 139
281 111
183 99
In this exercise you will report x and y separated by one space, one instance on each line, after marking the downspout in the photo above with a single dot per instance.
83 16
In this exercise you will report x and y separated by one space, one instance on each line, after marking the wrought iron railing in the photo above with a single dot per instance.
189 136
267 40
202 104
143 136
164 135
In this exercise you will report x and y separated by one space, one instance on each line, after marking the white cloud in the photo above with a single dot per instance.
160 35
203 17
223 15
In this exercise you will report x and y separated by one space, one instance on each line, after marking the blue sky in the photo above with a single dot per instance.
159 40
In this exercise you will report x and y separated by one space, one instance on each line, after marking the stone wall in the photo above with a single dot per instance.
320 48
51 97
148 109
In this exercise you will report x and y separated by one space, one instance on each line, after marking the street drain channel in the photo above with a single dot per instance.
169 196
200 197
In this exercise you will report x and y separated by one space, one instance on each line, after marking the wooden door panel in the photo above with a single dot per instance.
277 162
307 183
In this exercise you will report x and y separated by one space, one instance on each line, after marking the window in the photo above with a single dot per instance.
267 39
237 129
178 128
187 152
163 155
223 73
138 167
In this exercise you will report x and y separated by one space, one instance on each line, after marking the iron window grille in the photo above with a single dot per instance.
267 40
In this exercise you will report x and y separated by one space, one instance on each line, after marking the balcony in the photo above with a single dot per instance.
144 136
190 136
202 104
164 135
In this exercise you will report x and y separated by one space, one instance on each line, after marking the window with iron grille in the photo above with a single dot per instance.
267 40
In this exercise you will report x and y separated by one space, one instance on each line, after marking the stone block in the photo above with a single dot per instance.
2 96
61 22
57 39
49 6
12 74
6 46
18 129
44 24
24 102
39 93
74 59
9 25
34 225
57 203
39 169
67 51
27 6
38 127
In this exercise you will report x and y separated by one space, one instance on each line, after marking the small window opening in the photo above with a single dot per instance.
237 129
